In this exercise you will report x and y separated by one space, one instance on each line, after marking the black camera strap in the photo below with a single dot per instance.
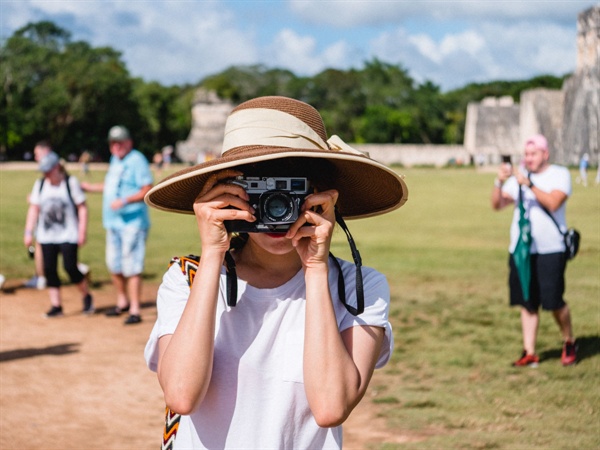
360 295
231 274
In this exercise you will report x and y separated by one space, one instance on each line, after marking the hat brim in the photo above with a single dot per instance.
366 187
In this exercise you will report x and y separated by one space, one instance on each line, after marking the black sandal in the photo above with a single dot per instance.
133 318
116 311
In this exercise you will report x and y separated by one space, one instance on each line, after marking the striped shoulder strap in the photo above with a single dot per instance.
189 267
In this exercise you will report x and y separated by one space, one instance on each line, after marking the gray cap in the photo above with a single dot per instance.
48 162
118 133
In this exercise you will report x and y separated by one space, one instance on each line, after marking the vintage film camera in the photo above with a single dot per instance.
277 201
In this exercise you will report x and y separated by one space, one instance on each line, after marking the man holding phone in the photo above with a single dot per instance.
545 189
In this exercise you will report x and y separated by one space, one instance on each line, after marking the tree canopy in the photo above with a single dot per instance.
71 94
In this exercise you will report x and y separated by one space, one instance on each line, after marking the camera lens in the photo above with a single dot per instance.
278 207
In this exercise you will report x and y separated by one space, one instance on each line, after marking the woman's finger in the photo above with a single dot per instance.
216 178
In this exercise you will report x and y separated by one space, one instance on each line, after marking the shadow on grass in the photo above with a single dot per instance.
588 346
55 350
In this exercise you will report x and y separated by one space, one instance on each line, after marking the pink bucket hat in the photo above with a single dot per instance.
538 141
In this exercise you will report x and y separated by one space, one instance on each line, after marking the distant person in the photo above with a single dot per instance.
548 186
158 162
84 160
126 220
58 213
584 164
38 281
167 155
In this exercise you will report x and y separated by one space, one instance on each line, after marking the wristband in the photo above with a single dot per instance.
28 233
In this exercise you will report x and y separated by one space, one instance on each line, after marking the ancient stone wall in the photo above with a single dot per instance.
492 129
581 129
416 155
542 112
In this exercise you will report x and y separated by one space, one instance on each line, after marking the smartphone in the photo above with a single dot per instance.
506 159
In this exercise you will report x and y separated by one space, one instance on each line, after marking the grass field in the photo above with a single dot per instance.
450 382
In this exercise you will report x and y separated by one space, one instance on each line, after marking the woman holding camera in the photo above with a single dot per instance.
268 341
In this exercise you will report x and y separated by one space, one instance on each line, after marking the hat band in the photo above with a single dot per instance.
272 128
269 127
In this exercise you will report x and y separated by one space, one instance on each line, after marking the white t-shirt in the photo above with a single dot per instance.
545 235
57 222
256 398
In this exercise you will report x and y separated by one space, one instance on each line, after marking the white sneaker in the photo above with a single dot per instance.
83 268
41 283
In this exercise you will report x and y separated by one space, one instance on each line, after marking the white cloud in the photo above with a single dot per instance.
301 55
377 12
490 52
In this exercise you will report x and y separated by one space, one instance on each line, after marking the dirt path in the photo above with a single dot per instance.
81 381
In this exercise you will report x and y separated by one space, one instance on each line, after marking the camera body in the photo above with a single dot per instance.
277 201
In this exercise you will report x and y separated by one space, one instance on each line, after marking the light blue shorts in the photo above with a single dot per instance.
125 251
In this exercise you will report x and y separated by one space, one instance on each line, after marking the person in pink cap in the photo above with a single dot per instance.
544 189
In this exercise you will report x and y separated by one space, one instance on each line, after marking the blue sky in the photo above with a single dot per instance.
448 42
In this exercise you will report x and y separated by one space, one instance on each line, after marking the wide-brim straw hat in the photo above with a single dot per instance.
269 130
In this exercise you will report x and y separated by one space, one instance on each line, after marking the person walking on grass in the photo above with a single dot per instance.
58 214
543 186
126 220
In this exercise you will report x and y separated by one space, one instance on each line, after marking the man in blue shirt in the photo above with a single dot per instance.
126 220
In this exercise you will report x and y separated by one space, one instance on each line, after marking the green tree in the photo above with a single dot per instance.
165 113
64 91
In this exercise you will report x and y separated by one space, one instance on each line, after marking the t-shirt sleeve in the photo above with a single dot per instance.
564 181
377 304
34 197
77 193
171 299
143 174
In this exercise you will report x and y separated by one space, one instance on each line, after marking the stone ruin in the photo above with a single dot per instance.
209 113
569 118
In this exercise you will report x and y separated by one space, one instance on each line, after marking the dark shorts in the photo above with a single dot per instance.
547 283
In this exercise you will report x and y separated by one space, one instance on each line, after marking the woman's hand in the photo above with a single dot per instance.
311 233
216 203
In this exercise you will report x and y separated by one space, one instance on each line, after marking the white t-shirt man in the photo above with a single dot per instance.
546 238
57 222
256 398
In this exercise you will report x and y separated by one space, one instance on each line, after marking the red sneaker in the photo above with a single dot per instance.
527 360
569 353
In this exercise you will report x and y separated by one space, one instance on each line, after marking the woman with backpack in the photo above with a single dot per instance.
58 214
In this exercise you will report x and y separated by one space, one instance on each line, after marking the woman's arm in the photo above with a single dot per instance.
30 223
185 358
82 222
337 366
